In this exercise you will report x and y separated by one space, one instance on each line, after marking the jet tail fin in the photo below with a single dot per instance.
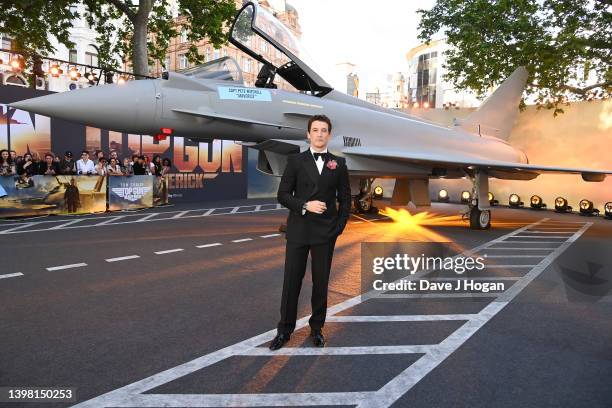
496 115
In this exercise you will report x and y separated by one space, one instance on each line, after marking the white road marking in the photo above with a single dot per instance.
533 242
209 245
242 240
338 351
257 208
169 251
401 384
122 258
24 225
515 256
234 210
59 268
11 275
129 219
179 215
537 237
509 266
398 318
146 217
522 249
109 220
65 224
132 395
269 235
549 232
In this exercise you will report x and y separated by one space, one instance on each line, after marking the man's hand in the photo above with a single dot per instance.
316 206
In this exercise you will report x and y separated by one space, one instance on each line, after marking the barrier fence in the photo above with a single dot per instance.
67 194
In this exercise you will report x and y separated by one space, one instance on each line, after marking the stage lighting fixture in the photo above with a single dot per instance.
465 197
492 200
37 69
108 77
378 192
74 74
537 203
121 80
443 196
608 210
586 208
55 70
16 64
515 201
561 205
426 105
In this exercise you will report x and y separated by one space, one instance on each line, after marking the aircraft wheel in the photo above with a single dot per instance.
480 219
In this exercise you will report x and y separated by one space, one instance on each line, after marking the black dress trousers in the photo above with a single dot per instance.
296 255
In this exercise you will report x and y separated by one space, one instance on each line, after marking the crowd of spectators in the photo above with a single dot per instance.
33 164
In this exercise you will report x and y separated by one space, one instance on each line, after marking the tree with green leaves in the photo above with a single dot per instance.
566 45
139 33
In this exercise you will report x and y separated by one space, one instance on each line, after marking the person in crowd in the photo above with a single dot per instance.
7 164
37 162
49 167
84 165
67 164
157 165
127 167
139 166
27 167
113 168
99 156
13 155
166 166
101 167
149 166
114 155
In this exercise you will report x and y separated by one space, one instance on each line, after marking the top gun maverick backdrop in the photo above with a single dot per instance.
201 171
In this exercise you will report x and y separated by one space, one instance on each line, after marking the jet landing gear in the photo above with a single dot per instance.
479 219
363 203
479 215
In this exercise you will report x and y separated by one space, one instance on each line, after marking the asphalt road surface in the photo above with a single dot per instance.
175 307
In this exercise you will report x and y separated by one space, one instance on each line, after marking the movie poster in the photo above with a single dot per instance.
44 195
127 193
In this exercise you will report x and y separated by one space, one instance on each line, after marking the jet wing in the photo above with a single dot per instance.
214 115
495 168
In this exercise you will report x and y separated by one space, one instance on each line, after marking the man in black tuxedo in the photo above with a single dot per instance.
309 187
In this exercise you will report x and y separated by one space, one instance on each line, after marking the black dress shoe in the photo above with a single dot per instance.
317 338
279 341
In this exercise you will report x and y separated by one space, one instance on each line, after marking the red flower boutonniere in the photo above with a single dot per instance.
332 164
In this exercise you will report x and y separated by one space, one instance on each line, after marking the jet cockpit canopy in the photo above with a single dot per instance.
261 35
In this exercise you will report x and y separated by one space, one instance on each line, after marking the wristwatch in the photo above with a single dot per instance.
304 208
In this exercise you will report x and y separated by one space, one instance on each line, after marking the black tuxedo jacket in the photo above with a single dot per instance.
301 182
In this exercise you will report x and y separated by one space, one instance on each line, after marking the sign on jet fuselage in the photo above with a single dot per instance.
244 94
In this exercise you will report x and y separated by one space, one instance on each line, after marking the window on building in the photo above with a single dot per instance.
207 55
225 52
182 61
216 53
183 35
72 56
246 64
91 59
167 63
264 47
7 43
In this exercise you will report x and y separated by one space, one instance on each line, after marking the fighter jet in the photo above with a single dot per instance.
211 101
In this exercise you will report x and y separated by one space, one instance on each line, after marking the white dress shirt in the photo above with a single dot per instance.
319 164
85 168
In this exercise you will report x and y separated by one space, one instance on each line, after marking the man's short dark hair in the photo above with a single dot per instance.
320 118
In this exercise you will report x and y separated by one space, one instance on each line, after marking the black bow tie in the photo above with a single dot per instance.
317 155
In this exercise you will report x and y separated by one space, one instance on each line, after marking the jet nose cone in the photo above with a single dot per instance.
125 107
